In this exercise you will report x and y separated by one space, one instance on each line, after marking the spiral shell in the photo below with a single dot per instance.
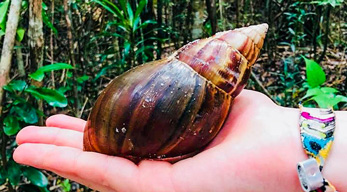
172 108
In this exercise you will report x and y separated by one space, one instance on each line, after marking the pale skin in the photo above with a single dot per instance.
257 150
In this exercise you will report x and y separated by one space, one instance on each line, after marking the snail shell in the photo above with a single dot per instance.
172 108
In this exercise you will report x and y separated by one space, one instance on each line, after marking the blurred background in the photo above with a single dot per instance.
65 52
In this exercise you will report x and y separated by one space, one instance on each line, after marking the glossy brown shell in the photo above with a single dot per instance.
172 108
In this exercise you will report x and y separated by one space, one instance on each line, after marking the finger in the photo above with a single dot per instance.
50 135
66 122
87 183
113 172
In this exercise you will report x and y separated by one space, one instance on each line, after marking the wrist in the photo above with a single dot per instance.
335 168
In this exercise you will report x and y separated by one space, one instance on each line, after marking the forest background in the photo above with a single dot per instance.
57 55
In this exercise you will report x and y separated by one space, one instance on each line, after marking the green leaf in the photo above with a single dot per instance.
62 90
338 99
20 34
2 176
140 7
35 176
333 3
136 23
16 85
66 186
3 13
312 92
145 24
26 113
82 79
25 4
13 172
39 74
123 5
11 125
328 100
131 14
46 20
322 100
109 6
44 6
51 96
127 47
105 6
291 31
315 75
103 71
329 90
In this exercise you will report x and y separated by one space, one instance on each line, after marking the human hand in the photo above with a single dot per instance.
257 150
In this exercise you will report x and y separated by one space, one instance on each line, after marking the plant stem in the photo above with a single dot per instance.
264 90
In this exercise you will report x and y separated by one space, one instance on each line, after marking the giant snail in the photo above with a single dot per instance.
172 108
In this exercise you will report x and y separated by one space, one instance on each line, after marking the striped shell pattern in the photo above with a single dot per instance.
172 108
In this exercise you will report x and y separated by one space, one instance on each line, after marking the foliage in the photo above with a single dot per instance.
332 3
39 74
129 28
289 81
325 97
21 111
4 6
65 185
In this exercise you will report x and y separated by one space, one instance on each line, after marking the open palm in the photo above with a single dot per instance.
256 150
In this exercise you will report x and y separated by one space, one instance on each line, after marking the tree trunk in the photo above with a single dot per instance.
326 34
237 12
211 10
221 14
71 53
51 44
6 55
20 62
36 41
174 11
189 19
35 33
160 23
147 32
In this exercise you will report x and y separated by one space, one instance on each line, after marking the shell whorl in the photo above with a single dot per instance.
226 58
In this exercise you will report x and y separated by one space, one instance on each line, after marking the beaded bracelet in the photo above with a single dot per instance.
317 135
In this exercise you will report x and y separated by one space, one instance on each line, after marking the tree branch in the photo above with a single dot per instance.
6 55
